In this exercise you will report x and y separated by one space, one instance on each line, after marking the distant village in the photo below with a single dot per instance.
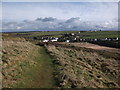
73 37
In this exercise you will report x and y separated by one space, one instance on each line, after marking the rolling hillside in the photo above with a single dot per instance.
57 65
25 65
79 67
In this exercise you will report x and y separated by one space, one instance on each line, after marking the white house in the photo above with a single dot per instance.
75 38
45 40
72 34
42 38
117 38
67 41
95 39
84 39
80 39
106 38
54 40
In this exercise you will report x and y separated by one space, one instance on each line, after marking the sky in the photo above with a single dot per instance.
60 0
86 11
0 11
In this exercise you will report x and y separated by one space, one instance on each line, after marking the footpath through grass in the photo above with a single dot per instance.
39 76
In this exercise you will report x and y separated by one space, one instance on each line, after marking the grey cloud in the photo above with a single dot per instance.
73 20
46 19
50 23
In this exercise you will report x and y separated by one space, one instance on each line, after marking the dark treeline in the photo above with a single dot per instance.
114 44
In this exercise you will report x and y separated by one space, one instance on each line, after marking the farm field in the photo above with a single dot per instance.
29 63
41 33
84 34
101 34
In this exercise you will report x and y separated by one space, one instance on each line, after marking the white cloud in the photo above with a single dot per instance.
55 24
64 16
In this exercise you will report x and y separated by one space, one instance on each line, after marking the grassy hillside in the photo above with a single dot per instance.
25 65
61 65
16 56
84 68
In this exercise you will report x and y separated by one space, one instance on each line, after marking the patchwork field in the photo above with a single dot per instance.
84 34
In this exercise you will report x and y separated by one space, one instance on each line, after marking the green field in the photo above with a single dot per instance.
41 33
101 34
83 34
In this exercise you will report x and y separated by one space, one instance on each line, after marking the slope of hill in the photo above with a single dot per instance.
23 65
72 65
79 67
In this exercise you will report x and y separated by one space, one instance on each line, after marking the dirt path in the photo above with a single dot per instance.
93 46
41 75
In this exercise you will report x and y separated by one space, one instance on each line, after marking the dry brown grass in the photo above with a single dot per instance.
16 54
78 68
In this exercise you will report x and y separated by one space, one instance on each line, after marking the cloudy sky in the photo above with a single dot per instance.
61 10
60 15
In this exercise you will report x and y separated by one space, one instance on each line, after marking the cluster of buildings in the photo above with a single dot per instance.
74 37
49 39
